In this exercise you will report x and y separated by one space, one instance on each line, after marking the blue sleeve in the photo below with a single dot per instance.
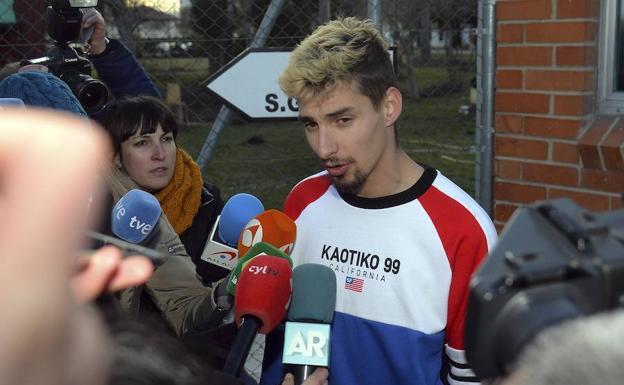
272 368
121 72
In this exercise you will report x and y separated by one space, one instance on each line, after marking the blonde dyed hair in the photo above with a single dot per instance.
347 50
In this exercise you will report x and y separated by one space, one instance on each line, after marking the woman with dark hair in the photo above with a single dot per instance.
143 131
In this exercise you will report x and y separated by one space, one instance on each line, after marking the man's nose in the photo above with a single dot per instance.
327 145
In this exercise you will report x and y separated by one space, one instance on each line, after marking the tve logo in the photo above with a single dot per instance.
306 344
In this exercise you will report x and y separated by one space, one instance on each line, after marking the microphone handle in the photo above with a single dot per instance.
300 372
242 344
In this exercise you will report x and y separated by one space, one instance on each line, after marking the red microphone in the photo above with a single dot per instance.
272 227
262 298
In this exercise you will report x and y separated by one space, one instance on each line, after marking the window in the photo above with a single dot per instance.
611 59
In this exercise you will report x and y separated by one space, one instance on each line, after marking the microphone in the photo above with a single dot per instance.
135 215
134 221
262 297
258 249
220 249
273 227
307 333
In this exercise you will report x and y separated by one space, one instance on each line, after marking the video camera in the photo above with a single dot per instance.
554 261
63 19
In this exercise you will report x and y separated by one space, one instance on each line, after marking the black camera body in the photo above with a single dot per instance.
554 261
63 19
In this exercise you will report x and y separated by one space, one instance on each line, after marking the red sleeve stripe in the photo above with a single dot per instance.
304 193
465 245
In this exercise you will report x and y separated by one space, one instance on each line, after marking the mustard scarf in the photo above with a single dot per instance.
181 198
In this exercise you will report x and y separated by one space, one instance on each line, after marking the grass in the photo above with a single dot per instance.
267 159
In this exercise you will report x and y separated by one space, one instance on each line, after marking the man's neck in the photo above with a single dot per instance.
400 173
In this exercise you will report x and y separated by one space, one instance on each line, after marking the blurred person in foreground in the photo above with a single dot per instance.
44 333
402 239
52 335
585 350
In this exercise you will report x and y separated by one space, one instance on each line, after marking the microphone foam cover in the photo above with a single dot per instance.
273 227
260 248
263 291
236 213
134 216
314 294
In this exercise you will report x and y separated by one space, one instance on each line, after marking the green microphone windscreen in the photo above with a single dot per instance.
314 294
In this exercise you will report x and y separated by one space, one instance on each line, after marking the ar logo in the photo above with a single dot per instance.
313 347
252 233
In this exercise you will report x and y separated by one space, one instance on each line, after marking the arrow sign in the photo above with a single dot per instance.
249 85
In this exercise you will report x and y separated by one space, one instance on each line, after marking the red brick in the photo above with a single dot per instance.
577 9
586 199
523 10
509 123
520 193
521 102
521 148
508 79
575 56
617 202
550 174
552 128
499 227
588 144
565 153
510 33
507 169
573 105
559 80
524 56
601 180
565 32
611 148
502 211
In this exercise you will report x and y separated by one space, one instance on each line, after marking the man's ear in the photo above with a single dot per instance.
393 105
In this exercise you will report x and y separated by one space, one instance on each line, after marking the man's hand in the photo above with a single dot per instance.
92 18
318 377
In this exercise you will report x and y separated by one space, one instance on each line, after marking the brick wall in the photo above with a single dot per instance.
549 141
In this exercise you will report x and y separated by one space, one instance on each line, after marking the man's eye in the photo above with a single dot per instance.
344 120
140 143
168 138
310 126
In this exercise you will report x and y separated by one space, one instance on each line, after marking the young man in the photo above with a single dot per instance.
402 239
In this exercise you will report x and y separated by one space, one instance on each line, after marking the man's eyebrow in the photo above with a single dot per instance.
332 114
339 112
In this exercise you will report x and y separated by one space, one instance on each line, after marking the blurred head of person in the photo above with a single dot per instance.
41 89
586 350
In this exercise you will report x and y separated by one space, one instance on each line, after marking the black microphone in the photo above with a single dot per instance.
307 333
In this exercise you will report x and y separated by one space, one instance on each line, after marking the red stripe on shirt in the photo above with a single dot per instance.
305 193
465 245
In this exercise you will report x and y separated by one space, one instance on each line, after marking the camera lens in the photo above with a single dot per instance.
91 93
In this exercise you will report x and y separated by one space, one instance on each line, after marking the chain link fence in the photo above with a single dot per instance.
180 43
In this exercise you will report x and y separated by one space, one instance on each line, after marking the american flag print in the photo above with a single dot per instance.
355 284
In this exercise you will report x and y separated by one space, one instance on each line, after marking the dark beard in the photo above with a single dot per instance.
350 187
